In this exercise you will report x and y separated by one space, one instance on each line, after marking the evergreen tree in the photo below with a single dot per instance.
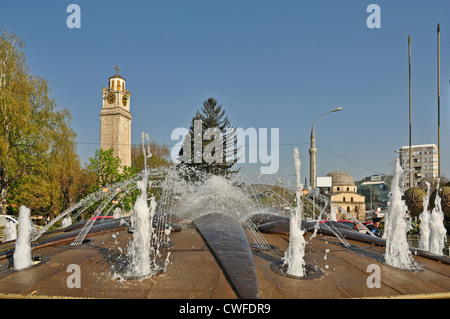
209 148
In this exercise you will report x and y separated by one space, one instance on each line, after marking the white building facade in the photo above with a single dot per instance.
424 163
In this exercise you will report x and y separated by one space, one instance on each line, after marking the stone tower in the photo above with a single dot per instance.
115 119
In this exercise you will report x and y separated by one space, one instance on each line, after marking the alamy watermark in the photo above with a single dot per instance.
74 279
74 19
374 279
228 146
374 19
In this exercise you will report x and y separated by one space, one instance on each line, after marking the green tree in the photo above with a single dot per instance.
218 139
106 167
159 158
31 127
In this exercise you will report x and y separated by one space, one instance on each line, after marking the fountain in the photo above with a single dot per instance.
22 252
141 221
66 222
140 249
117 213
437 229
397 248
333 215
10 232
424 242
293 257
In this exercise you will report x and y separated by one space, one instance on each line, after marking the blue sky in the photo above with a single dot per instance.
271 64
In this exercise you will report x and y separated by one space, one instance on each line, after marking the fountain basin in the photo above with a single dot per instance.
311 271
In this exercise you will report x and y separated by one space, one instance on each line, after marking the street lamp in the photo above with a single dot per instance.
313 151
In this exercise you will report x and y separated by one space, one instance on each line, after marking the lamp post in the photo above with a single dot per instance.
439 98
313 152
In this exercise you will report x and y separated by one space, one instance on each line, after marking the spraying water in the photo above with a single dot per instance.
10 232
333 215
66 222
424 242
22 252
141 222
293 257
117 213
397 248
437 229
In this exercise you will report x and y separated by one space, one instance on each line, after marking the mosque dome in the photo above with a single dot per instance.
340 178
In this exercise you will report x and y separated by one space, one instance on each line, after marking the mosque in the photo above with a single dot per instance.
343 195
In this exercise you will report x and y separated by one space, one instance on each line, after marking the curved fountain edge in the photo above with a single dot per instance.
226 238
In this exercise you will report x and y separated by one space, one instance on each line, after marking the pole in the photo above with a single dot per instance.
312 160
439 97
313 150
410 155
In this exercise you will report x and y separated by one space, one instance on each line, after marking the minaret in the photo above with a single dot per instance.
115 119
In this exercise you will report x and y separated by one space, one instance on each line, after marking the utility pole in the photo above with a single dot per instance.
410 155
439 97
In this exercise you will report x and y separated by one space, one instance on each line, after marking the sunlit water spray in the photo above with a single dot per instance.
140 249
293 257
141 222
424 242
397 248
22 252
66 222
10 232
437 229
333 215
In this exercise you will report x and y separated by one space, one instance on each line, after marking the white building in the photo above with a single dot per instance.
424 163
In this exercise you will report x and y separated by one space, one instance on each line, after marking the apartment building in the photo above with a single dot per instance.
424 163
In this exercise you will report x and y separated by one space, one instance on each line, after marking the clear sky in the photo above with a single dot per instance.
271 64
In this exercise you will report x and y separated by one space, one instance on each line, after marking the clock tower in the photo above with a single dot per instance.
115 119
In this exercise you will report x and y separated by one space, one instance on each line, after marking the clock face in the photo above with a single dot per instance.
124 100
111 98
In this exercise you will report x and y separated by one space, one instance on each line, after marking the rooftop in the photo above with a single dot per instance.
340 178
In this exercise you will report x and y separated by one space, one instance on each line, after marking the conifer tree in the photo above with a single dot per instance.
210 146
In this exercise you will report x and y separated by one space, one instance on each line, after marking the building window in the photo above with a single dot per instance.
351 199
343 199
348 209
